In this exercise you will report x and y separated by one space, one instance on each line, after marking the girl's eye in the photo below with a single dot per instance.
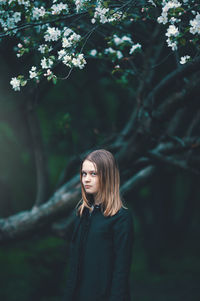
91 173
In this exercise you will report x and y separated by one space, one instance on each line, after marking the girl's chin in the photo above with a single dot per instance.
88 191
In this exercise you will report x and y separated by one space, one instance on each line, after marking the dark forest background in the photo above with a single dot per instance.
44 132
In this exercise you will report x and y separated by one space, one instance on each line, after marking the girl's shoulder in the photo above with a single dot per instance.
124 214
123 211
123 221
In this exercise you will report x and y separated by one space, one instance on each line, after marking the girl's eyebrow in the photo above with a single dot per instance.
88 171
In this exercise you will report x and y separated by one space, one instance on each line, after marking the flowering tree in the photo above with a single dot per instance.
61 32
137 38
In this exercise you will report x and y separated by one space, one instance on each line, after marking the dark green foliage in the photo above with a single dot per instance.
33 270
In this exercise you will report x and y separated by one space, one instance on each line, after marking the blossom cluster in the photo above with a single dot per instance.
105 15
182 19
119 48
54 42
47 36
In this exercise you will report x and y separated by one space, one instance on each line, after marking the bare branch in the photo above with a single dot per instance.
138 179
171 77
22 224
35 24
176 100
180 164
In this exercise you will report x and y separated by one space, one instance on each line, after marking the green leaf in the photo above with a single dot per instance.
23 83
54 80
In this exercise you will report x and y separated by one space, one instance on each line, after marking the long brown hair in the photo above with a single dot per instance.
109 182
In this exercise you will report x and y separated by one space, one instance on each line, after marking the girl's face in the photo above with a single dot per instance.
90 178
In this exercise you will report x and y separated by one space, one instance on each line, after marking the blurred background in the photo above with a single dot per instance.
85 112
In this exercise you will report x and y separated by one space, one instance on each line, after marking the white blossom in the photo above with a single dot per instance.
15 83
184 59
93 52
74 37
17 17
80 4
66 59
172 44
38 12
119 54
48 73
67 31
170 4
103 14
109 50
52 34
42 48
9 19
79 61
58 8
173 20
119 41
66 43
152 2
127 39
134 47
100 12
26 3
32 72
163 19
61 53
116 17
172 31
46 63
195 25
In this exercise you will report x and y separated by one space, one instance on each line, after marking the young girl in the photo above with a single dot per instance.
101 244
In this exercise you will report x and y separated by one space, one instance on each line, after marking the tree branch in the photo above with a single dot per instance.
138 179
170 78
22 224
179 164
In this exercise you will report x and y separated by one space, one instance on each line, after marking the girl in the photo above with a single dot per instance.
101 244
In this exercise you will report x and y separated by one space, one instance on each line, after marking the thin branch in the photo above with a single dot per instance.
194 125
176 100
27 25
138 179
170 78
64 17
179 164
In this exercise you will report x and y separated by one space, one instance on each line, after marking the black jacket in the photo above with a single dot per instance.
100 257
